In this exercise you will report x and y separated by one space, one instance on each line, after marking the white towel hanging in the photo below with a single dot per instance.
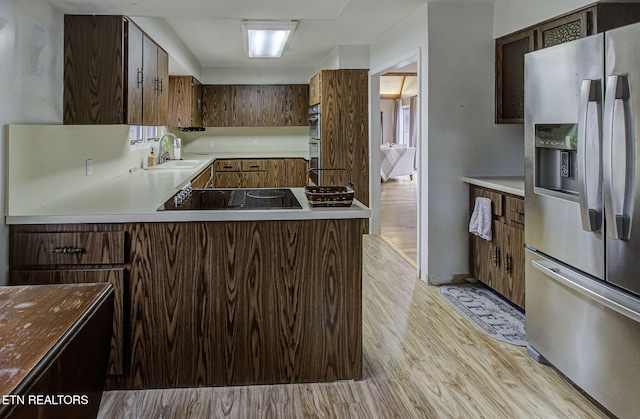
481 219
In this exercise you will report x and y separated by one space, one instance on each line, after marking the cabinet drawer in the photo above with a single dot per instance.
227 165
514 211
254 165
494 196
81 248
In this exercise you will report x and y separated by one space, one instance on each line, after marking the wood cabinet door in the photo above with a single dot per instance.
87 276
564 29
345 129
254 179
272 105
296 172
163 87
296 111
196 103
216 106
244 105
228 180
486 258
135 74
150 84
179 101
315 89
509 86
481 259
254 105
495 273
513 264
204 179
94 76
276 173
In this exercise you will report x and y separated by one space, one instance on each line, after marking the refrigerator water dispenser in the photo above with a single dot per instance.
556 157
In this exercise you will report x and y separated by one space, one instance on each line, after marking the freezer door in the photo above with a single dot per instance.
621 131
563 202
587 329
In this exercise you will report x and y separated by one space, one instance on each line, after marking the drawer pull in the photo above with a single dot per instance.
254 166
66 250
519 212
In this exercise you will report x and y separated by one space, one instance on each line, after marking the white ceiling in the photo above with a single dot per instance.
211 29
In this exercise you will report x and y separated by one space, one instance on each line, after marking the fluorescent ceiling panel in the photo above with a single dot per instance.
266 39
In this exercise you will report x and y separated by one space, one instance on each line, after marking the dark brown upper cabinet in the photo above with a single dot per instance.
510 49
113 73
255 105
185 102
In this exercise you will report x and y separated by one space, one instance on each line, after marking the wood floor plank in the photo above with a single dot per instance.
422 359
399 215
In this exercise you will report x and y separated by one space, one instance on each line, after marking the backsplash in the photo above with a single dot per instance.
46 162
287 141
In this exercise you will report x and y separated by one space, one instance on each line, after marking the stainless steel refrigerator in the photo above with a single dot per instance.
582 205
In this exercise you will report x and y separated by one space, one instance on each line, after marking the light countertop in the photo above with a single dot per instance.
507 184
136 196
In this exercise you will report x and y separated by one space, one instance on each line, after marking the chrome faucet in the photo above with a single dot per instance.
165 153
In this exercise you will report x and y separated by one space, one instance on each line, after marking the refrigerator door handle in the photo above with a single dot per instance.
618 157
610 298
589 146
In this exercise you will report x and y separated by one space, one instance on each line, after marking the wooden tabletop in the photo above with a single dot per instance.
36 322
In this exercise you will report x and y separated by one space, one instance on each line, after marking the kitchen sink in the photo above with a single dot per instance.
175 165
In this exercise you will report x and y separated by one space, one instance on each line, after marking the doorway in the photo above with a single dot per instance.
398 140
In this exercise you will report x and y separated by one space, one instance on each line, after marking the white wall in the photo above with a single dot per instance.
31 33
462 138
257 75
458 136
405 42
345 56
182 61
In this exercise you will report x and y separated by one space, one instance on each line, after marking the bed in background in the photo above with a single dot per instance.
396 160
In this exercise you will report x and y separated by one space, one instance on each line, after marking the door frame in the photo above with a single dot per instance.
374 140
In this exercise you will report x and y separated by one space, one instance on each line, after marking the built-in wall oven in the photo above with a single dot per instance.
314 143
314 122
314 160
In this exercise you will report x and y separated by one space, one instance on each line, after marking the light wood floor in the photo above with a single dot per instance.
422 360
399 215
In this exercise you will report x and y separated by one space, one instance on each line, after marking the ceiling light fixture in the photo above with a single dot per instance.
266 39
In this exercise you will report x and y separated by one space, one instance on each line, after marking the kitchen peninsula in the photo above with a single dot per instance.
207 298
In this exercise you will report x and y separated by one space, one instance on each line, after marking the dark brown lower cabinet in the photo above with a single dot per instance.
499 263
232 303
260 173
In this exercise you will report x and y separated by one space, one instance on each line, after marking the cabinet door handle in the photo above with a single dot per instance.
139 78
507 263
66 250
519 212
496 256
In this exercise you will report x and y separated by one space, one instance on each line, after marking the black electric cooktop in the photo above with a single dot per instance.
231 199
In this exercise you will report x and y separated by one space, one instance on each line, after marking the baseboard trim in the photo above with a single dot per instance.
450 279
